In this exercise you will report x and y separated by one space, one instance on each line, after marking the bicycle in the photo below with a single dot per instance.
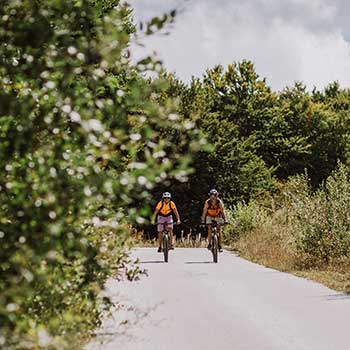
165 241
215 239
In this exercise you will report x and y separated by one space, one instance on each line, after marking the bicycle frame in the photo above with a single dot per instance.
215 238
165 234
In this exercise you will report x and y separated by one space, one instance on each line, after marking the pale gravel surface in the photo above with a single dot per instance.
191 303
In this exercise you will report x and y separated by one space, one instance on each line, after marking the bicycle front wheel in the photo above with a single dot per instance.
166 247
215 248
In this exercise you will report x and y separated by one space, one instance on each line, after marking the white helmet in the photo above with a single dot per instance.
166 195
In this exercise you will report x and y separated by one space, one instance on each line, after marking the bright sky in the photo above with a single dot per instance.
288 40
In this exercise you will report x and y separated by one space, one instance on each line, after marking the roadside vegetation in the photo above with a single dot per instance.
299 230
89 139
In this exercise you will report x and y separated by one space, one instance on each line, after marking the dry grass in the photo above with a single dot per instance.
270 245
266 249
298 230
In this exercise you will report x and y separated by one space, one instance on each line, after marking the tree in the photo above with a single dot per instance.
81 143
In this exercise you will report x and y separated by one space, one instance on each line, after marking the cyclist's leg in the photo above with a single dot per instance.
160 239
220 221
160 228
209 221
171 231
219 235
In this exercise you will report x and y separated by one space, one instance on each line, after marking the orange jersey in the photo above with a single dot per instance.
166 209
214 210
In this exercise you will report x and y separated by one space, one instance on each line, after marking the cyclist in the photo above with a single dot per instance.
214 211
164 213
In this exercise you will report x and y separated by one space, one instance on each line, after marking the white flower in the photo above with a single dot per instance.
135 137
93 124
124 181
72 50
44 338
159 154
28 275
2 339
188 125
142 180
75 117
50 84
104 64
99 104
140 220
120 93
30 58
11 307
87 191
45 74
66 109
99 72
173 116
81 56
53 172
96 221
103 249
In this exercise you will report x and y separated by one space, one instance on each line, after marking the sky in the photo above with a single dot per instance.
288 40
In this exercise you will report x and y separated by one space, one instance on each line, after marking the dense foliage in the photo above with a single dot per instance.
80 146
258 136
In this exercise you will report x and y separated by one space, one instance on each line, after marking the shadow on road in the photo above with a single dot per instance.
152 262
198 262
340 296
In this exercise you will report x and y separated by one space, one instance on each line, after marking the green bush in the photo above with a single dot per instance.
244 218
80 148
314 225
322 220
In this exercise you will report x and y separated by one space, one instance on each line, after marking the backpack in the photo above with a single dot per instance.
171 207
211 204
214 210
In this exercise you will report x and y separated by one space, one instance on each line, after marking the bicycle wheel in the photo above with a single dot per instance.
166 246
215 248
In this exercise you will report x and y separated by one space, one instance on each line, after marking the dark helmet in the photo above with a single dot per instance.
213 192
166 195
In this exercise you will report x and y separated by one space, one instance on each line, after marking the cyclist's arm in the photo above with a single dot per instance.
153 219
177 214
204 213
223 211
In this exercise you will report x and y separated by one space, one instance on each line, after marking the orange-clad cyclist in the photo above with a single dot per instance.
164 213
214 211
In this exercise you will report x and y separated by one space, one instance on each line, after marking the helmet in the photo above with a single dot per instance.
213 192
166 195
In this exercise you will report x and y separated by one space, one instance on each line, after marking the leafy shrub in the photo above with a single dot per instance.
245 218
80 149
312 226
322 220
